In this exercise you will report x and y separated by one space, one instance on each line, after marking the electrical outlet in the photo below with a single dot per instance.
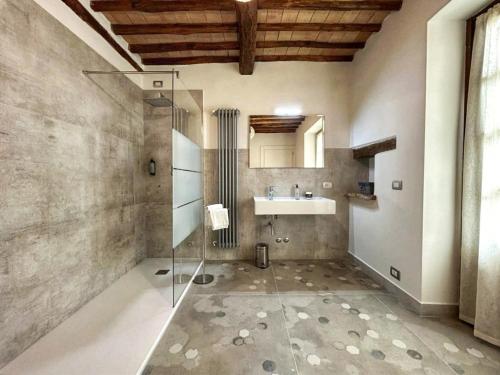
327 185
395 273
397 185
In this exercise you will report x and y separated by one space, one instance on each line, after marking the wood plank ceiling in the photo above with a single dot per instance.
178 32
276 124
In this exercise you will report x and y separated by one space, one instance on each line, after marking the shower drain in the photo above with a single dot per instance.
162 272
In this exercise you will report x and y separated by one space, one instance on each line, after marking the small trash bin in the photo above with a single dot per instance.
262 255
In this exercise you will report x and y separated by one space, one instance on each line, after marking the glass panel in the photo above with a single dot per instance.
158 186
187 182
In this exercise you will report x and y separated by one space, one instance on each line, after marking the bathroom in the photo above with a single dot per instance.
123 124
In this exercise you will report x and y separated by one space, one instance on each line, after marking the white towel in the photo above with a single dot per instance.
214 207
218 216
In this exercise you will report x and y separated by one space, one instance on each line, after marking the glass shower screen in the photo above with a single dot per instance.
187 185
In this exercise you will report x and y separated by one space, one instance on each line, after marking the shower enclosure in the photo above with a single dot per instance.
174 141
172 171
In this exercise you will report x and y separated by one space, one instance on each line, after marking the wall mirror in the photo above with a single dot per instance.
286 141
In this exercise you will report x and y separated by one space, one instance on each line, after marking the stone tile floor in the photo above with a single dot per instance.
310 317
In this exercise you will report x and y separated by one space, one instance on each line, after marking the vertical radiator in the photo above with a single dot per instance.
228 173
181 120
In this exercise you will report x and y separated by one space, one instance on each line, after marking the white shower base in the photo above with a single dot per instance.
112 334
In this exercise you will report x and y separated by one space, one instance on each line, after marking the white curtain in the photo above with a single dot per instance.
480 273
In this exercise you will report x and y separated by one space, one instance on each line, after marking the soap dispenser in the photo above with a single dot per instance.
297 192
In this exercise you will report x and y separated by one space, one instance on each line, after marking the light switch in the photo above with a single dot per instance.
327 185
397 185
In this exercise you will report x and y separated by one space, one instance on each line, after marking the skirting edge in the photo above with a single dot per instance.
487 338
405 298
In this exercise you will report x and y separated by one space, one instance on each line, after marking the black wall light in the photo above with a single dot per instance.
152 167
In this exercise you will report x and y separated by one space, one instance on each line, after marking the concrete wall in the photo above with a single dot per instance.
389 92
158 146
71 176
311 237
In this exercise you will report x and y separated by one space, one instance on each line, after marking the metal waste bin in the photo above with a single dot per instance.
262 255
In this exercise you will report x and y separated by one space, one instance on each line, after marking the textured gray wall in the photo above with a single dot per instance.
311 237
157 146
71 175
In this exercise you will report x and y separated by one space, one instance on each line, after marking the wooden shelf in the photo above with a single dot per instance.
364 197
371 149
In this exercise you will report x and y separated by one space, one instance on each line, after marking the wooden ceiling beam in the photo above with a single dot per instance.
312 58
329 27
189 60
310 44
277 117
218 28
174 28
156 6
274 122
246 14
332 5
183 46
284 130
275 126
232 46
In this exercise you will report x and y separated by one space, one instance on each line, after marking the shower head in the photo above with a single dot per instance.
159 101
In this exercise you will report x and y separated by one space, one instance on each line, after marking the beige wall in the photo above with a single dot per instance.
273 139
388 99
443 150
311 88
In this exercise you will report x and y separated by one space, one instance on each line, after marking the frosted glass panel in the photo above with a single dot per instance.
186 153
187 187
186 220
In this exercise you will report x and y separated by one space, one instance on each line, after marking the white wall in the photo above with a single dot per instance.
268 139
443 147
68 18
389 99
308 88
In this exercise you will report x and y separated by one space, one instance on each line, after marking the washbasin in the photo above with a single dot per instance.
292 206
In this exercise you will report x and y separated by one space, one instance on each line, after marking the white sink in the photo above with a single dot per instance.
292 206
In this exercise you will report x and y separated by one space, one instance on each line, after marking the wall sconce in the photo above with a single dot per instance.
152 167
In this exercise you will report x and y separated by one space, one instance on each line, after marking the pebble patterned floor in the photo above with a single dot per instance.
310 317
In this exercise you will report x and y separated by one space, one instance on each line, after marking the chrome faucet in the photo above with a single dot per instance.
270 192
